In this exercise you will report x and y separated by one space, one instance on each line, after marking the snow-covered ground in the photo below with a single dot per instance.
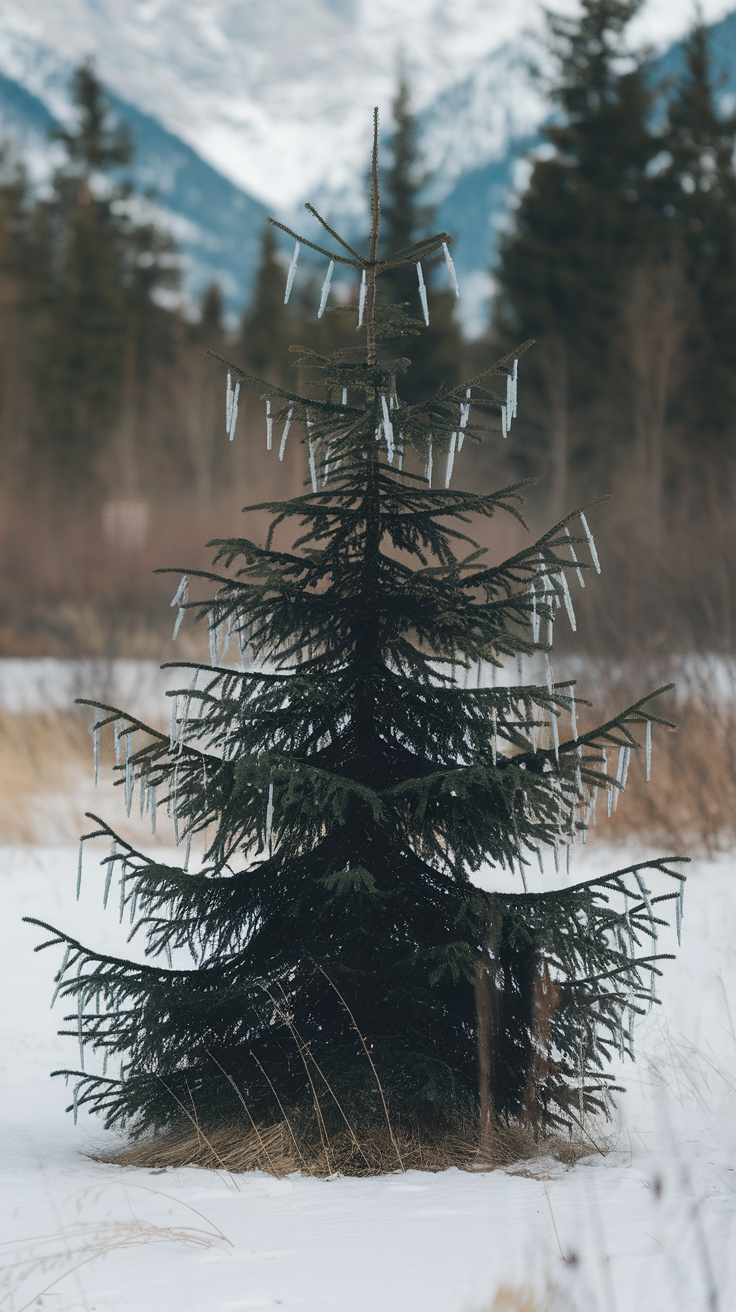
647 1227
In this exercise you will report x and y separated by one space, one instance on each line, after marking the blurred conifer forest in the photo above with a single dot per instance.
619 258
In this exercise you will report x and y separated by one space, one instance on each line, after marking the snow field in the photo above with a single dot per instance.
647 1226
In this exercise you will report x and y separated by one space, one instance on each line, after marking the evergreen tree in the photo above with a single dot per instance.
581 226
437 355
696 194
267 328
351 781
106 327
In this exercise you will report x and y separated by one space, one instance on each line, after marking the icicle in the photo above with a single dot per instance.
312 468
122 891
188 852
515 388
228 403
75 1100
645 896
619 775
494 739
567 599
548 673
428 470
153 808
625 775
79 867
180 598
325 290
578 570
591 544
344 395
450 459
214 636
535 617
292 271
450 267
555 736
423 294
173 725
269 815
388 429
108 877
509 401
96 742
361 300
401 452
129 781
60 975
167 950
573 715
649 750
269 425
285 433
464 416
116 739
234 412
504 424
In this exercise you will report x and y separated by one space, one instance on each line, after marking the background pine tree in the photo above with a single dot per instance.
350 781
437 355
581 226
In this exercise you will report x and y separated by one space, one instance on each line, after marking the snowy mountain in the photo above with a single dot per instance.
236 106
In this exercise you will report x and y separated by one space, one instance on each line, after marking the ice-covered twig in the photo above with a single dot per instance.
464 416
388 429
450 459
285 433
361 299
325 290
269 815
649 750
450 267
423 294
578 570
591 543
292 272
96 742
312 467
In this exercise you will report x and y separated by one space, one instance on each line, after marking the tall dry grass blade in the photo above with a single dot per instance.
246 1109
370 1059
287 1122
195 1123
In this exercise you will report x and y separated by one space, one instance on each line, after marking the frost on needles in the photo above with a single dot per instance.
348 776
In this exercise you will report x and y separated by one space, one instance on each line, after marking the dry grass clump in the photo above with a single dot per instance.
280 1150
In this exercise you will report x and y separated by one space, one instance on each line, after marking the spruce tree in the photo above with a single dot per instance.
105 325
406 218
580 228
695 190
267 328
352 774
